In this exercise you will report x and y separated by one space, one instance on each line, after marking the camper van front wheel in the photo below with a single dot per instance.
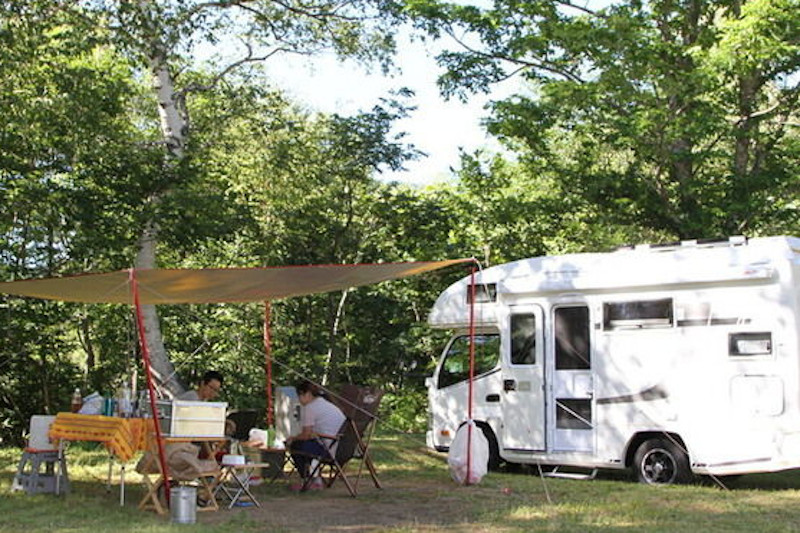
661 462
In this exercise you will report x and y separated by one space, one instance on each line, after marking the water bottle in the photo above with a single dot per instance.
77 401
124 404
144 404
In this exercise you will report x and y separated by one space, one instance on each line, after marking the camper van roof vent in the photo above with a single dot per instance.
735 240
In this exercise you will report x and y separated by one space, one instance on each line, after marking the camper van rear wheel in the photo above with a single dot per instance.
661 462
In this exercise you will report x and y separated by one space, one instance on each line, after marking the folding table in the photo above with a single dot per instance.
122 437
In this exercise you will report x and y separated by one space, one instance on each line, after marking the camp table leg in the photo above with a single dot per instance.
227 472
122 486
110 469
111 462
58 471
242 474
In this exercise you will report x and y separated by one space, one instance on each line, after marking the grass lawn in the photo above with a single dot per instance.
418 495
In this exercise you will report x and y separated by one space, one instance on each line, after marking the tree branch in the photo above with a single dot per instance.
523 64
317 13
249 58
583 9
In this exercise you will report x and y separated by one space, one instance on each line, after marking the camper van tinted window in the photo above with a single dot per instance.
523 339
484 293
572 338
455 367
638 315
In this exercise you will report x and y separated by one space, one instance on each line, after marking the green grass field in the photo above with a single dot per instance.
418 495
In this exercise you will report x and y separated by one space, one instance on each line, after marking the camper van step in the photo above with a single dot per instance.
571 475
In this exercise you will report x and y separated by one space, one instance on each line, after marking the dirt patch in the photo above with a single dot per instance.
417 506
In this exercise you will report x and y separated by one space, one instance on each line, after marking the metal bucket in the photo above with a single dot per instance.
183 504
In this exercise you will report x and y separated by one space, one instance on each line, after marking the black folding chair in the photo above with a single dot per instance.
360 405
245 420
330 467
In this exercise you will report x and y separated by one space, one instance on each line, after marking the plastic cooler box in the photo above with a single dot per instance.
184 418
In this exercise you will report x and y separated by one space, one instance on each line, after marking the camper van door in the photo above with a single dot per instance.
523 397
573 389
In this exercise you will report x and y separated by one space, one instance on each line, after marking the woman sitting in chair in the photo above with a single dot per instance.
320 421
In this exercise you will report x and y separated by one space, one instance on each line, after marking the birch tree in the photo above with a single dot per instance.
164 36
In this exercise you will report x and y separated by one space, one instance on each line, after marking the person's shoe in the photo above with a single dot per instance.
316 484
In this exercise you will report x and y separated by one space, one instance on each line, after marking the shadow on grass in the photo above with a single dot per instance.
418 495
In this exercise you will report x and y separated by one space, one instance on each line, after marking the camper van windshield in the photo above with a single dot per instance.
455 367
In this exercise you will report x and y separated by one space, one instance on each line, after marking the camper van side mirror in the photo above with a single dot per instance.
428 382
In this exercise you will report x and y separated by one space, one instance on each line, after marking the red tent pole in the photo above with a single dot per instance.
162 459
268 363
471 370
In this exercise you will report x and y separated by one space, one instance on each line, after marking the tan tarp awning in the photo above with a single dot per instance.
216 285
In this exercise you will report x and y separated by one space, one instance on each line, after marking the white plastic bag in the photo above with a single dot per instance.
479 458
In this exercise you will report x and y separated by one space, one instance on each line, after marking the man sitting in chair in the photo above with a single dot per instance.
207 390
318 418
187 461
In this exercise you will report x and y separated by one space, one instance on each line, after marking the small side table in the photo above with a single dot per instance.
235 483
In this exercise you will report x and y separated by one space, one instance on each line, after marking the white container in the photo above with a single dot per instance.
184 418
287 413
232 460
183 505
40 427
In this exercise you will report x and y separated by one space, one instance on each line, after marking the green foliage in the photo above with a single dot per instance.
675 117
404 411
643 121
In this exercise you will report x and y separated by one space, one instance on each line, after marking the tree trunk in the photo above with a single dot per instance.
745 131
173 122
330 371
166 379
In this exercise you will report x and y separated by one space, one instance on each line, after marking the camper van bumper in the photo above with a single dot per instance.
431 443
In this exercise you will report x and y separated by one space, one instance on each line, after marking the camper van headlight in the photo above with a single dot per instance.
746 344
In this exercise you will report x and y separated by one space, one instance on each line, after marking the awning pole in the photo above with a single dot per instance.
162 459
268 363
471 371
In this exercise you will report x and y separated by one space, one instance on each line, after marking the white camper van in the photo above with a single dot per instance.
668 360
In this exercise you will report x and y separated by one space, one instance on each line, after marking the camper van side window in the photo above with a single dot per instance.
639 314
523 339
572 338
484 293
573 413
455 367
750 344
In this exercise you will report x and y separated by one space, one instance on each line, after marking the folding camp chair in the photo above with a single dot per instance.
328 467
204 474
360 406
245 420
